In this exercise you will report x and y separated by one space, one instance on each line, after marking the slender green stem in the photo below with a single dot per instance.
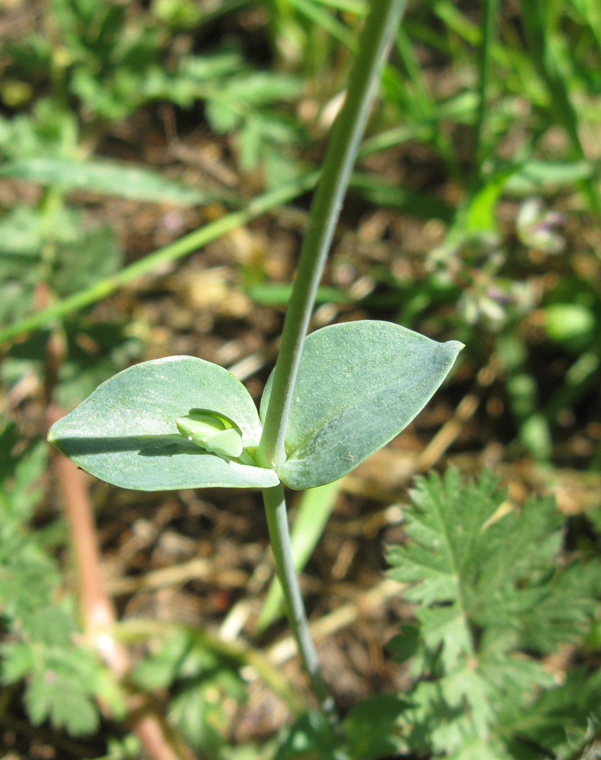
140 630
376 36
279 535
195 240
171 252
340 157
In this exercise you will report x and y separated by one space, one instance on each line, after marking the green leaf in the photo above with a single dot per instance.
61 683
388 194
20 240
26 581
61 688
474 571
161 669
109 178
125 432
359 384
372 726
17 661
490 595
211 431
307 738
405 645
93 254
202 682
563 719
445 526
537 176
19 471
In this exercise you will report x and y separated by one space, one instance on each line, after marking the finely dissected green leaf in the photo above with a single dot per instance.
445 526
26 581
563 720
19 472
20 245
490 593
450 718
93 254
81 255
242 102
109 178
359 384
498 575
61 683
372 726
552 611
428 713
20 240
40 647
125 432
61 687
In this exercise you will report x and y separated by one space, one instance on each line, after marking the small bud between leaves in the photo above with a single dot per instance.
211 431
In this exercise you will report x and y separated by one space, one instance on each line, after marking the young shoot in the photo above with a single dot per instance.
334 398
211 431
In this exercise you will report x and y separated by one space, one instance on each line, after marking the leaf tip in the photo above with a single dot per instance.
450 351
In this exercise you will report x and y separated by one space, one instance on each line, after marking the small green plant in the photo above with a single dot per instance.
332 400
101 64
490 600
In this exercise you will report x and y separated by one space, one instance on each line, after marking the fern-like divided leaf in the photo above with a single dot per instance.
491 600
61 678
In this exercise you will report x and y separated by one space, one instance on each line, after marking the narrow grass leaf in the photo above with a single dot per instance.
106 177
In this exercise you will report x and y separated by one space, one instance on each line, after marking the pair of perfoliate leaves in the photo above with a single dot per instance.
182 422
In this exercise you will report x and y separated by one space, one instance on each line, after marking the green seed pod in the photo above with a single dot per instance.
211 431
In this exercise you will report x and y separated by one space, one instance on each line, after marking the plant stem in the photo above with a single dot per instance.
377 34
141 630
199 238
279 535
171 252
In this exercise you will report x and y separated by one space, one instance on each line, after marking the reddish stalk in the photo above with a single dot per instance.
97 611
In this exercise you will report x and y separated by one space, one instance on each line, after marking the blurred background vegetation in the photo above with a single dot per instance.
472 214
